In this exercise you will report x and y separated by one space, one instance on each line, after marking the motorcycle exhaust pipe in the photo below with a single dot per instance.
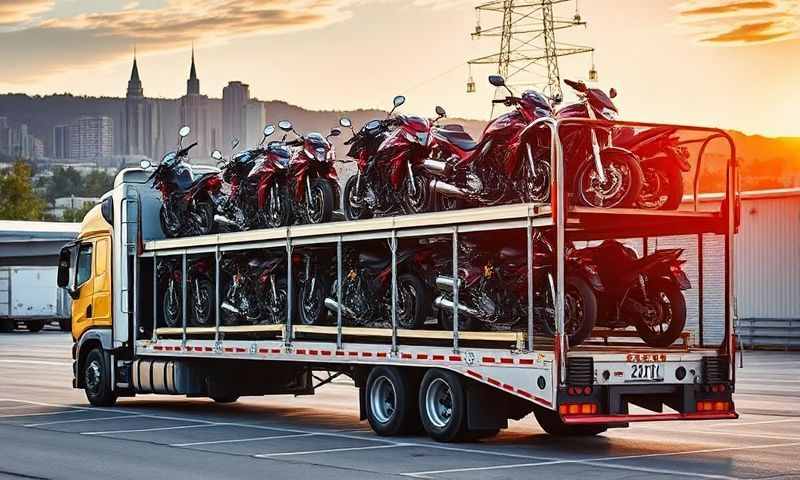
436 167
446 283
447 189
442 303
230 308
333 306
225 221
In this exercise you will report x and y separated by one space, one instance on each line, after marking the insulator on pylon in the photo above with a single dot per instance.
470 85
593 74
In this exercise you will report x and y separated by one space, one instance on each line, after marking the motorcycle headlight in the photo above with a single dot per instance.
609 114
320 154
422 138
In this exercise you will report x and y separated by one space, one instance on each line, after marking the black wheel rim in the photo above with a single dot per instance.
658 317
276 211
538 187
311 304
202 306
406 304
354 207
418 198
610 193
655 189
316 206
93 377
172 307
574 311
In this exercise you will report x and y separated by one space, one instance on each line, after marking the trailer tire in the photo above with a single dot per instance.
229 398
443 406
7 325
390 401
551 422
35 326
97 382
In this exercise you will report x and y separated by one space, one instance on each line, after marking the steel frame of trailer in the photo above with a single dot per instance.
485 365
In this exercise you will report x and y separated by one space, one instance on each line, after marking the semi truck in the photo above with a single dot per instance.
455 384
30 298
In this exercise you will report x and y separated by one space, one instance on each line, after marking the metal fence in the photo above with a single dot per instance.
774 333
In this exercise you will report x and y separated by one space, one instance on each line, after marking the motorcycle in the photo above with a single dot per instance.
644 292
389 155
507 165
493 290
366 290
188 201
240 208
306 188
663 161
200 292
257 292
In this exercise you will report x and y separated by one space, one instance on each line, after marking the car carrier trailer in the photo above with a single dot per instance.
457 384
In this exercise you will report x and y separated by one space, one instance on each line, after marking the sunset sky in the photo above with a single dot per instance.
727 63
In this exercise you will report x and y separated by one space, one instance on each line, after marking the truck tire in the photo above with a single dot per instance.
443 406
7 325
551 422
229 398
97 383
35 325
390 402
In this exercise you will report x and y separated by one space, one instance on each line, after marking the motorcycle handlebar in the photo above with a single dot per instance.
184 151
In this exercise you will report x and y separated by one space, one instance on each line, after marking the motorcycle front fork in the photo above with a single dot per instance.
412 184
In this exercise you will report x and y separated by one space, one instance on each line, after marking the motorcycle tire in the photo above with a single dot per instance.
677 310
352 212
171 309
311 304
269 218
423 199
578 293
670 175
411 315
203 313
622 171
322 196
170 231
449 204
204 210
278 314
465 322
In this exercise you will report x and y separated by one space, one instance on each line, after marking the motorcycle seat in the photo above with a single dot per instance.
459 138
187 181
373 261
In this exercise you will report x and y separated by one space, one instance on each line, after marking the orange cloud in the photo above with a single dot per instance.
14 12
727 22
728 8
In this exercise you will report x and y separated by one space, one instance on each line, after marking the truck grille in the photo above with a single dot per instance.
715 369
580 371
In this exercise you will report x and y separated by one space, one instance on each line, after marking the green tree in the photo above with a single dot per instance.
76 214
18 201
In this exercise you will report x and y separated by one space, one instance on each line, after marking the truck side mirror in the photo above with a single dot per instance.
67 269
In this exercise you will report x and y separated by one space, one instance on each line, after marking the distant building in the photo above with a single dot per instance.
194 112
141 129
91 137
254 117
234 99
4 135
60 146
18 143
62 204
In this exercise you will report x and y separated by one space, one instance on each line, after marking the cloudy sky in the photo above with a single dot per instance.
728 63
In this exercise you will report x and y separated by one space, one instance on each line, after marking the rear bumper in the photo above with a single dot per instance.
663 417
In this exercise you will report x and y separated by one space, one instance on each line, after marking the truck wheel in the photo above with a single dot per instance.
35 326
230 398
390 402
97 383
551 422
443 406
7 325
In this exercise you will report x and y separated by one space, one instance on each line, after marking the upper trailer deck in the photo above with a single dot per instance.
581 223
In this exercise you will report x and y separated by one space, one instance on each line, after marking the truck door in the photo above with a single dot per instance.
101 296
82 303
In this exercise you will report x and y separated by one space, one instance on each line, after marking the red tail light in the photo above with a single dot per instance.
577 409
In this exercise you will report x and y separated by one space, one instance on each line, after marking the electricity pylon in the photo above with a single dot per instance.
529 51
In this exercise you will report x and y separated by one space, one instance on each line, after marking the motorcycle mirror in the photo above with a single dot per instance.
145 164
612 93
269 130
345 122
440 111
335 132
285 125
497 81
216 155
234 143
184 131
398 100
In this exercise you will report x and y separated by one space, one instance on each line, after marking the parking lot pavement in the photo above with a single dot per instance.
48 431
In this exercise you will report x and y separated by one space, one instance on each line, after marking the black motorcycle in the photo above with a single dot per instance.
642 292
189 201
257 289
199 294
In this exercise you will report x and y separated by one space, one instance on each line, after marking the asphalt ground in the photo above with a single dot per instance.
48 431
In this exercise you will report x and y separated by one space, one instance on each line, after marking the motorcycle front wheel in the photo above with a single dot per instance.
278 210
580 310
171 306
666 314
275 307
412 302
622 185
203 217
320 202
537 183
662 188
202 302
311 300
417 195
170 224
353 203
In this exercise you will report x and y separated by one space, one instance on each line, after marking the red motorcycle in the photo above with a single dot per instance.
507 165
199 293
189 202
268 190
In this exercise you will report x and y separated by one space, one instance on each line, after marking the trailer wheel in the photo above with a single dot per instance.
7 325
35 326
390 402
229 398
551 422
443 406
97 383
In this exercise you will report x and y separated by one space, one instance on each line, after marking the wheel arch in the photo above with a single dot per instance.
91 339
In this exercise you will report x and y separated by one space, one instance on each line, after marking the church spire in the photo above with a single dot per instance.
193 84
135 84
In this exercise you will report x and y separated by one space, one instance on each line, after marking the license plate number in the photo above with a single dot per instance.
645 372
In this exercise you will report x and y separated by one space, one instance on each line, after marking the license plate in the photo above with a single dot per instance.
645 372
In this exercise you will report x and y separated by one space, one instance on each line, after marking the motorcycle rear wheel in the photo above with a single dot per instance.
668 192
412 302
202 302
671 310
204 215
171 308
170 226
311 303
623 181
352 211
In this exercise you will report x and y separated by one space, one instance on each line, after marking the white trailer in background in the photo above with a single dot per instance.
30 297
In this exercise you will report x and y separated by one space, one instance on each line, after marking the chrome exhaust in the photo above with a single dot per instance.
229 307
225 221
436 167
333 306
446 283
444 304
447 189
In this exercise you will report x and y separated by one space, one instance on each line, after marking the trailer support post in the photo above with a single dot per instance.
393 248
184 288
217 300
155 296
700 287
529 240
455 289
339 293
289 291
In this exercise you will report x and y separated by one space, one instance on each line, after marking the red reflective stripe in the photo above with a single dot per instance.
339 353
275 350
352 354
582 419
240 350
524 393
506 360
366 354
263 350
455 358
542 400
300 351
422 356
382 354
475 374
494 382
313 352
209 349
438 357
228 349
158 347
508 387
487 359
406 356
325 353
526 361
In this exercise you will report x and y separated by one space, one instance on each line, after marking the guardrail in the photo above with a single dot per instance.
769 333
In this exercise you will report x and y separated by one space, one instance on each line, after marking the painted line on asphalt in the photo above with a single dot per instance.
57 422
41 413
759 422
37 362
330 450
154 429
15 407
239 440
